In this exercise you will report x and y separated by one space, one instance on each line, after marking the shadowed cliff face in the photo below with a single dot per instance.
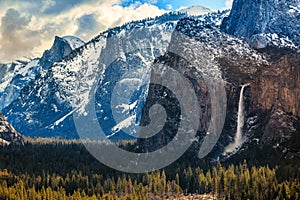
254 20
164 97
7 132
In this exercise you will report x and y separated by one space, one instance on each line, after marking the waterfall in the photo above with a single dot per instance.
238 139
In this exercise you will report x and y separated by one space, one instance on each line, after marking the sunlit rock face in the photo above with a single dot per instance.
276 91
7 133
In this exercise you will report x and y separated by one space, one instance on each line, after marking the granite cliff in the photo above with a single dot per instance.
7 133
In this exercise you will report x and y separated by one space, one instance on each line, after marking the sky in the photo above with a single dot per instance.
28 27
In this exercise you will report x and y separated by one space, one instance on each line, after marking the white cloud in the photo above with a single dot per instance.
228 4
16 38
36 34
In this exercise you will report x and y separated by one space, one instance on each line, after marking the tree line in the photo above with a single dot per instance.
65 170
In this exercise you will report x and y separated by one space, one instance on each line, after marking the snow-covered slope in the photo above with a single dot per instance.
65 88
15 76
195 10
74 42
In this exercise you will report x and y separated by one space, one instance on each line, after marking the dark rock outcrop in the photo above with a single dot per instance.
59 49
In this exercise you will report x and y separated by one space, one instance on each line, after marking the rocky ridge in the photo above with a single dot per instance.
7 133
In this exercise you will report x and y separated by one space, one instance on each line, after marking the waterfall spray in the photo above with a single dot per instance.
238 139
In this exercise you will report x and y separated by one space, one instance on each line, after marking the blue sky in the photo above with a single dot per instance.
176 4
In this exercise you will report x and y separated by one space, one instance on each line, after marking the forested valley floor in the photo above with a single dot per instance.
65 170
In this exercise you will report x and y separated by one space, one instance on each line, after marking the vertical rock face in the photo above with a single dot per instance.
163 96
260 21
272 103
7 133
278 87
59 49
277 92
206 52
273 111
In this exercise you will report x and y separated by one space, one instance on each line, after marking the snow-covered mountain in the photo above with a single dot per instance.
107 80
195 10
17 75
122 58
56 92
65 88
265 22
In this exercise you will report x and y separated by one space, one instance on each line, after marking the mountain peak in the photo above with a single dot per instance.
62 46
72 41
195 10
263 22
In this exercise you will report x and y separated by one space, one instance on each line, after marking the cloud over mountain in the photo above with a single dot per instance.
28 27
16 37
